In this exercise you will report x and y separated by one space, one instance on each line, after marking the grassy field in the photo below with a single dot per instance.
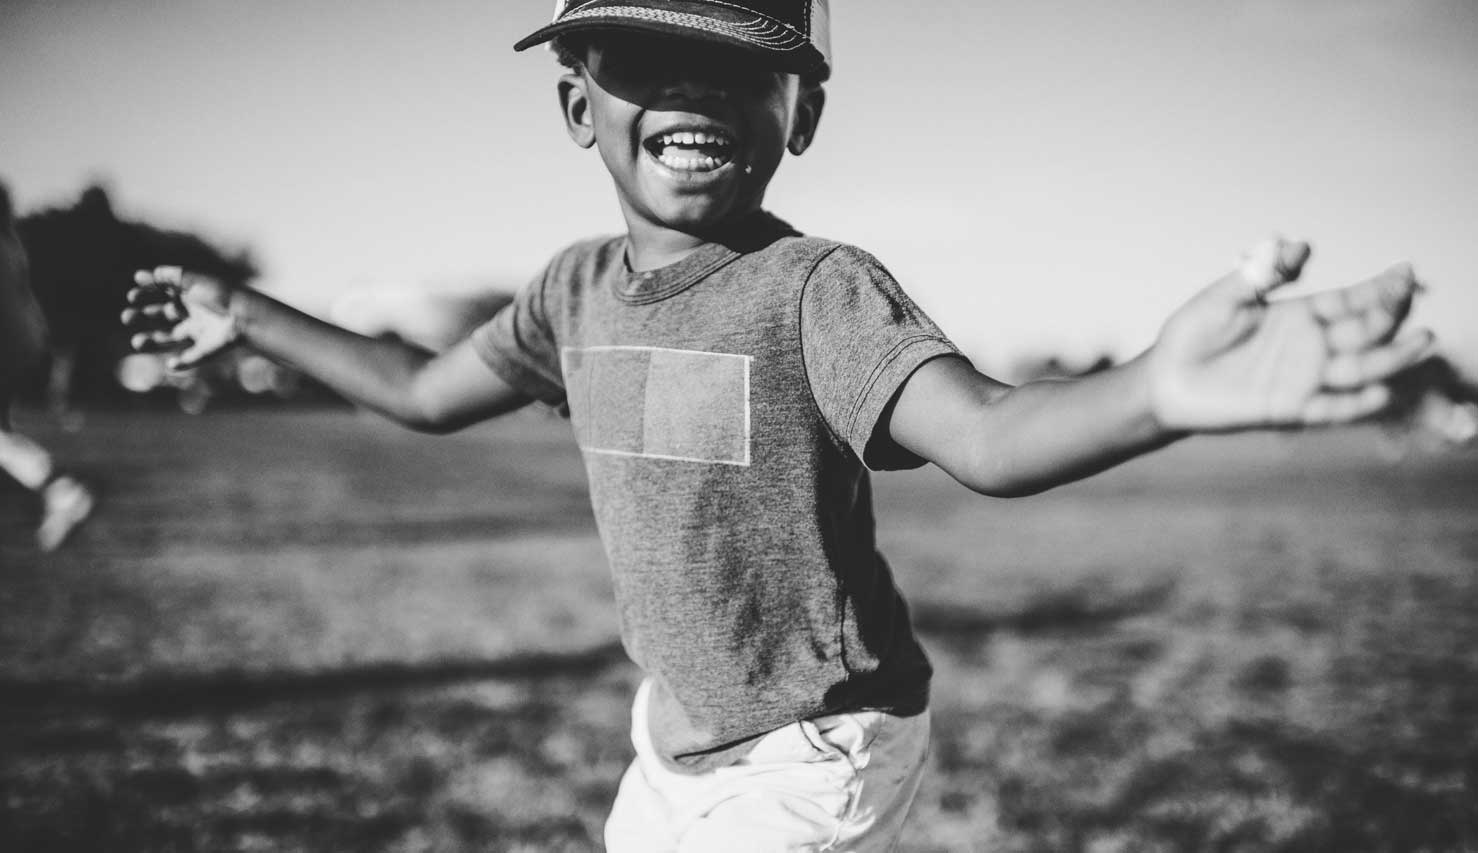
311 631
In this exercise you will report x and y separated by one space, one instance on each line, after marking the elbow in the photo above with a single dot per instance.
429 421
993 478
429 426
410 419
419 415
1007 490
420 408
1002 488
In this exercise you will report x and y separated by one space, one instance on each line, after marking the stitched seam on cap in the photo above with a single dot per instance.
788 38
806 35
762 14
745 32
755 12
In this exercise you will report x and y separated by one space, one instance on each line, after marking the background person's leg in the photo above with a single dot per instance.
24 459
65 502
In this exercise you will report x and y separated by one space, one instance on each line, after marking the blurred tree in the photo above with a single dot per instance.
1436 407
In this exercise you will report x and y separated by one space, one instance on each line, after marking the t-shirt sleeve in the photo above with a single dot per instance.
519 344
862 337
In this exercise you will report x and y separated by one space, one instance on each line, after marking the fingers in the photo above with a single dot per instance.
1367 313
1271 264
156 313
1351 371
165 279
156 342
153 289
155 284
181 351
1343 407
152 313
1354 382
1359 331
153 321
165 276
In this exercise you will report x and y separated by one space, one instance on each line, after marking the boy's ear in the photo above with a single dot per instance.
808 108
574 102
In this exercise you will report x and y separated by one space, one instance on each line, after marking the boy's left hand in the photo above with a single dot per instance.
1229 359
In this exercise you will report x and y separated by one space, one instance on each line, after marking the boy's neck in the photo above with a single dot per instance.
651 246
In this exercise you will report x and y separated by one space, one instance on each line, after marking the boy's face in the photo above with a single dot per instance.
692 133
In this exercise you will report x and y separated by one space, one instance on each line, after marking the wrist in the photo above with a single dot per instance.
1147 394
239 313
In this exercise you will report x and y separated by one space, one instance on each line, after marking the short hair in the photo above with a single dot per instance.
570 51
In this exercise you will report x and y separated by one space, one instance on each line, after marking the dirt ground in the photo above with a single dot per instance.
312 631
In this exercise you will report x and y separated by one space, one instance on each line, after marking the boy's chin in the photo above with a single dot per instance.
693 216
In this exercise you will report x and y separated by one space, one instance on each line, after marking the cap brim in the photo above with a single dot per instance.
777 46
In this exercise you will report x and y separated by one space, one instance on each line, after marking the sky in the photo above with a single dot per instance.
1044 177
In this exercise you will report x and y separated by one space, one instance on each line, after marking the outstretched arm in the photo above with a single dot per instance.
1227 360
194 317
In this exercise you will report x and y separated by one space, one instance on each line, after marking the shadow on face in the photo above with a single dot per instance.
652 72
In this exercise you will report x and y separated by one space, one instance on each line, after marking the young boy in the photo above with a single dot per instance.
730 382
65 502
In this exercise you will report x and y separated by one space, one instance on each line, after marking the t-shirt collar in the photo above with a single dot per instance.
754 231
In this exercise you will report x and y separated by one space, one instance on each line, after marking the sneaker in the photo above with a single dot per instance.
67 504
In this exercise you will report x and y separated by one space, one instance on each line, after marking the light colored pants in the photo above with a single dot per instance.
837 783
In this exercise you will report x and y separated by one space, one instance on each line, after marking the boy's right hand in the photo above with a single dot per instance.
184 314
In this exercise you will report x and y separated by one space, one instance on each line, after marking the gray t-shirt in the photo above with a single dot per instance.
725 406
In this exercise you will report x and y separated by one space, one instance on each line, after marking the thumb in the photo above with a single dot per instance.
1271 264
199 291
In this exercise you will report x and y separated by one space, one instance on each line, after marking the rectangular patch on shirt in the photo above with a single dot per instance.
683 405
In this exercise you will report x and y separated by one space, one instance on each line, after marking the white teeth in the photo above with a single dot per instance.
689 164
693 138
674 150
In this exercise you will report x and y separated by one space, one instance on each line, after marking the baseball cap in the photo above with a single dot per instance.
792 35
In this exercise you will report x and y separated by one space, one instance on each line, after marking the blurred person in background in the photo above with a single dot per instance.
65 501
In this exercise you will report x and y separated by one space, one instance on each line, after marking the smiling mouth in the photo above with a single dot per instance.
691 150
